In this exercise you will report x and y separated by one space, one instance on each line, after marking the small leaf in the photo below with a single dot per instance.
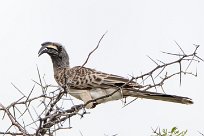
173 130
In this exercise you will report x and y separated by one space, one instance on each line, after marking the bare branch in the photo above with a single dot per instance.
94 49
51 113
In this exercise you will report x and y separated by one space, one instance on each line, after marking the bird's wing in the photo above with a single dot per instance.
82 77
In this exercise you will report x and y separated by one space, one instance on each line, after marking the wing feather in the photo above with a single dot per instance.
83 77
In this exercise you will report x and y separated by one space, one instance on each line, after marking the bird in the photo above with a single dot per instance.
88 84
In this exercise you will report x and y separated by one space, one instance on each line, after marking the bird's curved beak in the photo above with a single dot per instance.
42 50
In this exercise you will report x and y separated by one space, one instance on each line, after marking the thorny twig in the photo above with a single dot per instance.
51 117
94 49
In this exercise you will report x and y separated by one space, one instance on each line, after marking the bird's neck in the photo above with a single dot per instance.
60 63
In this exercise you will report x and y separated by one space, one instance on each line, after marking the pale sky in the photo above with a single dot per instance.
135 29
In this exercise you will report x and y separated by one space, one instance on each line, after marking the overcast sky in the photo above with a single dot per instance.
135 29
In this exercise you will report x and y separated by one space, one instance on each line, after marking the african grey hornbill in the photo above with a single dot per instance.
88 84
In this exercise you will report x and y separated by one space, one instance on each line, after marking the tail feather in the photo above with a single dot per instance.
158 96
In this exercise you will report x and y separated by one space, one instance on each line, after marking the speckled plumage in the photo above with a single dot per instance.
85 78
88 84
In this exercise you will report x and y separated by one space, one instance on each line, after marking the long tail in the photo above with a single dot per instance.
158 96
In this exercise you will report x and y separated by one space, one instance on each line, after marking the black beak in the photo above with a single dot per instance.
42 50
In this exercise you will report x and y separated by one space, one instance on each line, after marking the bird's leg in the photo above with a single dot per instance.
85 97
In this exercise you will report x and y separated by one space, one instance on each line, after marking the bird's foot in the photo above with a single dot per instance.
77 107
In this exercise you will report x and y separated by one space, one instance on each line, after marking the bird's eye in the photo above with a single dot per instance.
59 48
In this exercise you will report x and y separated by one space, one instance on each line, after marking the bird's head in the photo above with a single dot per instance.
53 49
57 53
